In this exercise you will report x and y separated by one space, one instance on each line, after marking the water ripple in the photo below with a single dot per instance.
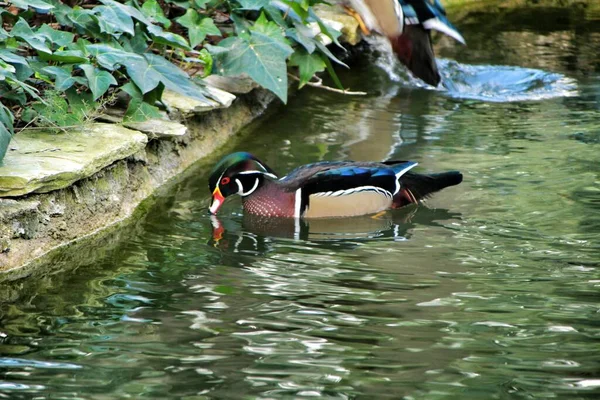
499 83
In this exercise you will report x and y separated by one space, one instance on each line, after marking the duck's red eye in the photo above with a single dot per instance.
225 181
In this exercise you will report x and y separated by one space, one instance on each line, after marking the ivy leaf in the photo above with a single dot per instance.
129 10
63 78
268 28
152 9
308 64
168 38
98 80
11 57
113 20
173 78
66 56
110 57
37 4
59 38
6 128
201 3
22 30
137 66
303 36
197 27
261 57
253 4
138 110
84 21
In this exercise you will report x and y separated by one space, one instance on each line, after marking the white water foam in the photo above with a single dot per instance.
494 83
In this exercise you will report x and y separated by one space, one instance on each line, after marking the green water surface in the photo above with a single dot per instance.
490 290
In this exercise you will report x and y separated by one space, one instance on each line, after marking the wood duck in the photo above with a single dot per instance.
323 189
407 25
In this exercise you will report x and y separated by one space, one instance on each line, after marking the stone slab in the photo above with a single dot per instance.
189 106
40 161
233 84
159 128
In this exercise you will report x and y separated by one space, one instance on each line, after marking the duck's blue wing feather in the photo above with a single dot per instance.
430 14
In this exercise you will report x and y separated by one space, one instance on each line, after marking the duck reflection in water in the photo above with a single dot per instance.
256 234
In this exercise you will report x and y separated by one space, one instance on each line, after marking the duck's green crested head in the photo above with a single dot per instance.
232 174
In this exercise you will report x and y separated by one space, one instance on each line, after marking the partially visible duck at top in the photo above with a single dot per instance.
323 189
407 25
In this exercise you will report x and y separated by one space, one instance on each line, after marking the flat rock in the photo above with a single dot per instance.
189 106
159 128
233 84
39 161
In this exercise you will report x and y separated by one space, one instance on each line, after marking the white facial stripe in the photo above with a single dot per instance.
241 188
258 172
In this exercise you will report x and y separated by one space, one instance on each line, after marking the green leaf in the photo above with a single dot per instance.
67 56
11 57
37 4
303 36
22 30
325 29
63 78
261 57
59 38
168 38
129 10
110 57
138 110
268 28
201 3
152 9
207 60
136 65
113 20
252 4
332 73
6 128
197 27
84 21
329 54
99 81
3 34
173 78
308 64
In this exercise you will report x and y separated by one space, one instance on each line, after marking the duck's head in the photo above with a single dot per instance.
238 173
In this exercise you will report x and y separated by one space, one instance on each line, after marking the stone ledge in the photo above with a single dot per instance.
39 161
31 227
159 128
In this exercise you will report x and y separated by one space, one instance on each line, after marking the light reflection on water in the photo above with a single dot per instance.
488 291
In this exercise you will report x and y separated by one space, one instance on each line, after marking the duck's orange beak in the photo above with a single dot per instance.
217 201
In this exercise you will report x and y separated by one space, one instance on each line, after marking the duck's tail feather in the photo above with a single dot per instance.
416 187
413 48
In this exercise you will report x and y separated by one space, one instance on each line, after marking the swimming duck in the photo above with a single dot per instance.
407 25
323 189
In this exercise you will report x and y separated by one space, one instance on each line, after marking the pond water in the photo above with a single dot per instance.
489 290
